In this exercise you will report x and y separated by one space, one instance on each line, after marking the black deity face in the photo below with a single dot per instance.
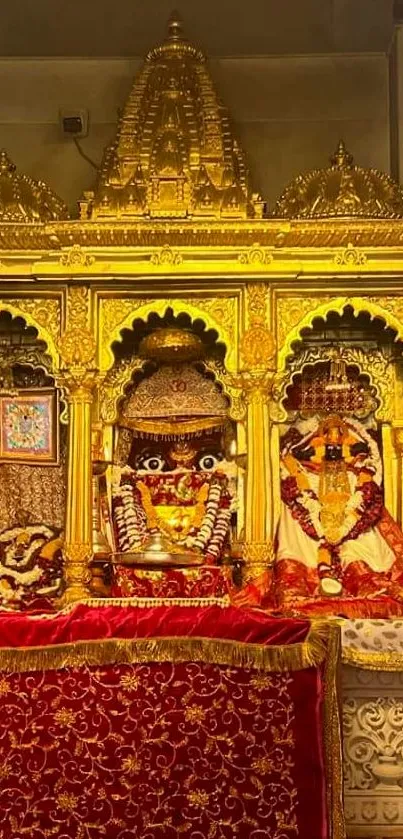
201 454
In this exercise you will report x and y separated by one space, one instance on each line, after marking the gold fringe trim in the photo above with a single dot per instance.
332 714
367 660
172 429
276 658
150 602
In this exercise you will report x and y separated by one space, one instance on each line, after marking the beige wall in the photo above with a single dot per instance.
289 112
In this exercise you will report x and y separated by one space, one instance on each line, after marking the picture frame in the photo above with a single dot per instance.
29 427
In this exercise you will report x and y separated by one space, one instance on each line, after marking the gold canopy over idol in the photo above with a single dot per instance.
176 400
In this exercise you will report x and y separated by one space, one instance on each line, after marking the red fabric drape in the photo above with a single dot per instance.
161 749
84 624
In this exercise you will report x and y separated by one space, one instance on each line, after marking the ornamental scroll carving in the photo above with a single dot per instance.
373 743
46 311
291 310
77 345
258 345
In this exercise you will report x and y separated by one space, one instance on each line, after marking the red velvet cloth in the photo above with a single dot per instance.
161 750
205 581
85 623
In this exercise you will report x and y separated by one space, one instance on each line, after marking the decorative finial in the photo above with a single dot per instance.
175 30
342 158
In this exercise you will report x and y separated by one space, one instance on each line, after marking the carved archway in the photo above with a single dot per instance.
373 364
337 305
16 310
117 315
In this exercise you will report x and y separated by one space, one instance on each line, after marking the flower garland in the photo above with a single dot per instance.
211 488
362 511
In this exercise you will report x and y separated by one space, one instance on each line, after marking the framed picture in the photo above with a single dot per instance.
29 427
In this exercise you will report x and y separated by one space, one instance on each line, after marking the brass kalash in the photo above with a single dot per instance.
173 491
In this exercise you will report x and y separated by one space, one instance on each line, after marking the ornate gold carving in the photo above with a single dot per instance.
113 387
292 310
77 348
177 158
223 310
44 313
78 306
77 557
256 255
76 257
350 256
259 557
25 200
372 362
166 256
343 189
258 348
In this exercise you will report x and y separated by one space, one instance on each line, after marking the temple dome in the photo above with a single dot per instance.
341 190
23 199
174 155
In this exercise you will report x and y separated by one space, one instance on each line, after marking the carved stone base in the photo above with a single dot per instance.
373 753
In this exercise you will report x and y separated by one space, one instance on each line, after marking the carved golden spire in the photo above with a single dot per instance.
341 190
22 199
174 155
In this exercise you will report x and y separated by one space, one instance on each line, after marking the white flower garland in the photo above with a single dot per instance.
131 523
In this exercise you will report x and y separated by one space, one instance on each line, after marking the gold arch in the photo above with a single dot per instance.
160 307
372 364
30 320
337 305
112 390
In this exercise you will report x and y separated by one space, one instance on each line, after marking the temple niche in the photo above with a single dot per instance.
339 541
32 469
167 504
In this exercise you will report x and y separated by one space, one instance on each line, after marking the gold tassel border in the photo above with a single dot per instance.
388 661
275 658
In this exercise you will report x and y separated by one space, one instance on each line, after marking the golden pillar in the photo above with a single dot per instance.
79 378
258 358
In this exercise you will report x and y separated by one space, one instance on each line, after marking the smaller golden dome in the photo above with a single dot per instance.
22 199
341 190
171 346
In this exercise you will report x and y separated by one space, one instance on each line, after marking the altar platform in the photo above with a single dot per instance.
167 721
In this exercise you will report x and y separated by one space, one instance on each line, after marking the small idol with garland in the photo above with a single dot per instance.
173 495
339 551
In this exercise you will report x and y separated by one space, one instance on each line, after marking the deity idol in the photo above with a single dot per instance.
30 565
173 499
339 550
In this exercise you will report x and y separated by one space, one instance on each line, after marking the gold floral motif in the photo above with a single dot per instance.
78 306
77 348
257 294
350 256
166 256
76 257
258 348
254 756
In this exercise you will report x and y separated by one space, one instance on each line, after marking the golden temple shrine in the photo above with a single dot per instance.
201 404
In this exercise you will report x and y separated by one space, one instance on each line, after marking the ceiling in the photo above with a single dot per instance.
104 28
